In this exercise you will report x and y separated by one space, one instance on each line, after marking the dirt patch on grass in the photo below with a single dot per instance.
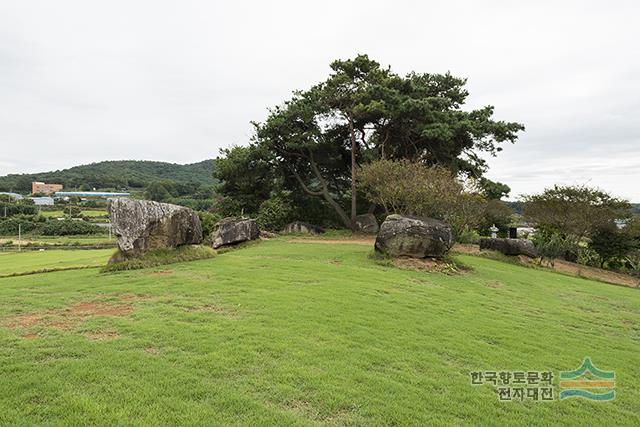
69 317
30 336
430 265
426 264
102 335
596 273
97 308
467 249
298 406
23 321
305 409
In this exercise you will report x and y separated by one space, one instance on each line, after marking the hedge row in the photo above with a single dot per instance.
9 227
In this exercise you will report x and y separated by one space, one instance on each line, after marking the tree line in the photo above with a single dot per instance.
114 175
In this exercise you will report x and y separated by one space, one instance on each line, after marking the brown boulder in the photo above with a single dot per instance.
367 223
510 246
232 231
415 237
302 228
143 225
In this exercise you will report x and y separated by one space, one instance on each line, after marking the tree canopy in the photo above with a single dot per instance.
575 211
363 112
411 188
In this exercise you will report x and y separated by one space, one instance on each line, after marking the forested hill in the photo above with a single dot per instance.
118 174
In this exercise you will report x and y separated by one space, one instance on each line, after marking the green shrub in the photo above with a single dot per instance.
468 236
17 208
67 228
227 207
588 257
94 204
552 245
275 213
208 221
9 226
633 263
72 211
612 244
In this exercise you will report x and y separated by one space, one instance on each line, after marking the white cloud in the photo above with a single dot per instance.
164 80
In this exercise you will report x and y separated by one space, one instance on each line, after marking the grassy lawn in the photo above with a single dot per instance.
286 333
85 212
26 261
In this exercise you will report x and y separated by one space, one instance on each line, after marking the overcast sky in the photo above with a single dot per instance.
84 81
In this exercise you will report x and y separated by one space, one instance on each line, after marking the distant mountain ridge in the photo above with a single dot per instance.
114 174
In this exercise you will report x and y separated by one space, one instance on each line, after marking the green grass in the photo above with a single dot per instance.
159 257
298 334
29 261
85 212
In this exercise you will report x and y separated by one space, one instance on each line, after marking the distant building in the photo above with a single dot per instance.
43 201
621 223
41 187
83 194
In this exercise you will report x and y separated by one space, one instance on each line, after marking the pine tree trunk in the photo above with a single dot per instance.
354 146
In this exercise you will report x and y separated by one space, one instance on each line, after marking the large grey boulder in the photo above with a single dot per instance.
509 246
302 228
232 231
415 237
367 223
143 225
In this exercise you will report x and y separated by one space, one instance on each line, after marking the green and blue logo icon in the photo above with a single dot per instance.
588 382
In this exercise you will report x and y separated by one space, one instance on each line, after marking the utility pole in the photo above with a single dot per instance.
19 237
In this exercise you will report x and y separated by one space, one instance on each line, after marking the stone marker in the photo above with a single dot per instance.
264 234
367 223
143 225
510 246
415 237
303 228
232 231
